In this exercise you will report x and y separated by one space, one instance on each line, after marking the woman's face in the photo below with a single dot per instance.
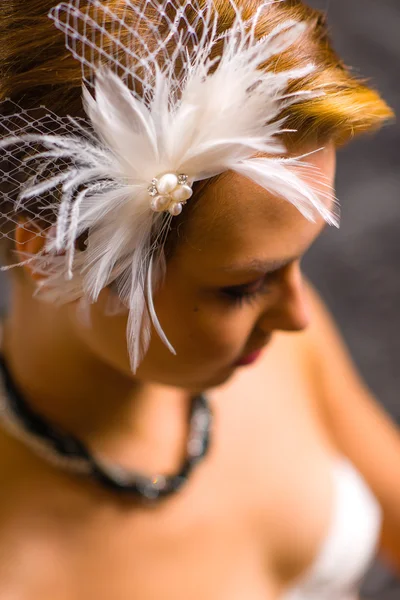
232 281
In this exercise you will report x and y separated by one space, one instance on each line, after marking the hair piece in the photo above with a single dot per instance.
173 94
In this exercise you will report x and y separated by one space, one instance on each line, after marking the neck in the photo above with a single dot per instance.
66 383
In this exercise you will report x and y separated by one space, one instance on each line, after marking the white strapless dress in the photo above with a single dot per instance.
350 546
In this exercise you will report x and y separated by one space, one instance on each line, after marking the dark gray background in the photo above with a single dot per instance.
357 268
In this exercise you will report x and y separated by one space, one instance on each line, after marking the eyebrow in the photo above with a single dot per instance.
260 266
263 266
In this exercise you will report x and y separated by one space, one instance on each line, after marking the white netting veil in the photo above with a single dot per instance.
168 100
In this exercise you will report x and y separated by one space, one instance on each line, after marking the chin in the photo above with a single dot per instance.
217 380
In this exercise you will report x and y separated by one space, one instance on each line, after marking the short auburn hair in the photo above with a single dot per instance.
36 68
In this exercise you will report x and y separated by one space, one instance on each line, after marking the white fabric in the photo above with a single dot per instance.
350 545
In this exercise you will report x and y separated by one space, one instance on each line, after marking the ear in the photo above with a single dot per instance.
29 239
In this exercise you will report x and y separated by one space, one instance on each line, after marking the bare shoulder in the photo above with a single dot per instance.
354 415
358 423
343 394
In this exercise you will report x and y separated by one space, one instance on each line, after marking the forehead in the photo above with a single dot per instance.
237 221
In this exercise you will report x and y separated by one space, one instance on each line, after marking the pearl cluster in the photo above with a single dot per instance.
169 193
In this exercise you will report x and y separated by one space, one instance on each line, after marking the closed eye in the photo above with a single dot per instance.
249 292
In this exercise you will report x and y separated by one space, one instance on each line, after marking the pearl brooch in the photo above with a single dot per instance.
170 192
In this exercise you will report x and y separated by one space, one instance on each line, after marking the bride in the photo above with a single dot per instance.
179 416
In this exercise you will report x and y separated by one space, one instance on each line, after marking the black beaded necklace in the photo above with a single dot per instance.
66 451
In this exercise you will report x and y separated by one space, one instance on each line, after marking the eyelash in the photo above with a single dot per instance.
240 295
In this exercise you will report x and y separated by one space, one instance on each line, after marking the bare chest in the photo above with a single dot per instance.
252 517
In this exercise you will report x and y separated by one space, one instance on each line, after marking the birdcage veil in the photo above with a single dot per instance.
163 110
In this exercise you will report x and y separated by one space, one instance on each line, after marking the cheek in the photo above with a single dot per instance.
207 329
224 332
207 335
104 335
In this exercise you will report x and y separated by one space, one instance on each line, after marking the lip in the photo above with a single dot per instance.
254 355
249 359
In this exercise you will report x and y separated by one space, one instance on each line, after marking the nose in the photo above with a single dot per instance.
290 311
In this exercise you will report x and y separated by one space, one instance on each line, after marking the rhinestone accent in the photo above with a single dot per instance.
183 179
159 481
150 491
153 192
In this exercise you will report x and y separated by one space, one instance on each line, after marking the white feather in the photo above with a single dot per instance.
284 182
154 276
196 115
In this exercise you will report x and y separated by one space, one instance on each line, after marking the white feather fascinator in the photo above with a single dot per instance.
162 112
